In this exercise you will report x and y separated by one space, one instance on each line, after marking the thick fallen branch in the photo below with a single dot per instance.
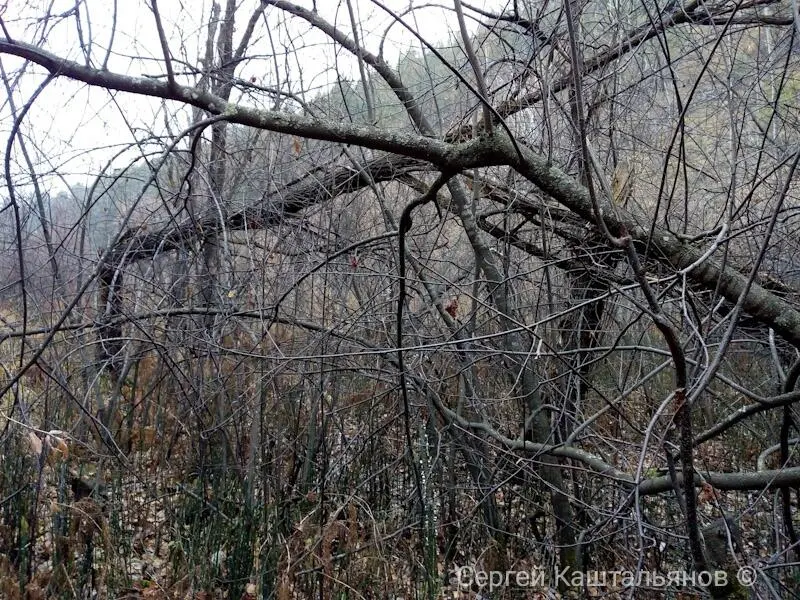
753 480
267 212
762 305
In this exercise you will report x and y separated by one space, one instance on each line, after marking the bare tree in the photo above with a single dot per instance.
346 295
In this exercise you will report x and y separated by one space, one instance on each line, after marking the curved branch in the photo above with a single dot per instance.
762 305
450 156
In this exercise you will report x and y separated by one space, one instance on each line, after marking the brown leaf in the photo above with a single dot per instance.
452 307
35 444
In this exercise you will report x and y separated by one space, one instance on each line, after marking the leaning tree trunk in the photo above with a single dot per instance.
537 420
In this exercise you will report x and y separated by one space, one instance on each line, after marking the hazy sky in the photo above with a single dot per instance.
78 128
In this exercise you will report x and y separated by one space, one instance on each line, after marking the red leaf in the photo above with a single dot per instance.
452 307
